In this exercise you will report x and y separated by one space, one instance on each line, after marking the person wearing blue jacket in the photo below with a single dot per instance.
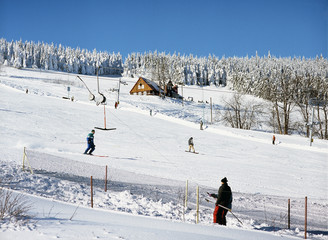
91 145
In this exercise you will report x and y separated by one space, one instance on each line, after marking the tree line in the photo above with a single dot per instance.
288 84
59 58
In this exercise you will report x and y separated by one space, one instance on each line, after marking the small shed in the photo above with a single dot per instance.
145 87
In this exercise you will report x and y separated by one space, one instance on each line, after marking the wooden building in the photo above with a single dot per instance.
145 87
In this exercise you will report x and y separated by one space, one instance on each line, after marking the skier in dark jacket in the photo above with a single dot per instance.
191 144
91 145
224 199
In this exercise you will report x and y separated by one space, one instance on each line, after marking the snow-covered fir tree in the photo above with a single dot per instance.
51 57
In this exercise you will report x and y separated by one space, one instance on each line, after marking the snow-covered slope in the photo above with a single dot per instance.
148 163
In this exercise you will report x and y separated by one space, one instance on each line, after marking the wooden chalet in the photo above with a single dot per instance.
145 87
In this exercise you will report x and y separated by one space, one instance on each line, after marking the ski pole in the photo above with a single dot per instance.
231 212
226 209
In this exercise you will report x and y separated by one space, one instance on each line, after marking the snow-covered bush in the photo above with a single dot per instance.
13 207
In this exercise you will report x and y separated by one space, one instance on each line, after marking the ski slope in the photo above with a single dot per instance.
147 153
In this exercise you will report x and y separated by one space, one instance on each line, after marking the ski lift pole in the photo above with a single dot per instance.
203 103
118 91
105 128
98 79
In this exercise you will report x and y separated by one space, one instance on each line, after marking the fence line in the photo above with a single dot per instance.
266 209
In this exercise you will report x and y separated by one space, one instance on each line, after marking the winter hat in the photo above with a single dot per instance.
224 180
93 130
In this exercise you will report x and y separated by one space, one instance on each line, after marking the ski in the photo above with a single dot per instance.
208 200
93 155
99 155
192 152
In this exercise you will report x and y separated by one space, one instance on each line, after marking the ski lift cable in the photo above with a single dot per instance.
103 98
137 134
87 87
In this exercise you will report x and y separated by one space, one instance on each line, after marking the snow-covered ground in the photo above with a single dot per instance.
148 165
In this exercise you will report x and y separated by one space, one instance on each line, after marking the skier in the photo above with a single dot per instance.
224 198
91 145
191 144
273 139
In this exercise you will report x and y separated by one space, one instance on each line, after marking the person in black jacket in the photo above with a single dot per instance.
224 199
191 144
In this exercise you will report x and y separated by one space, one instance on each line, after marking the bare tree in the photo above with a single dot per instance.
240 114
314 87
322 110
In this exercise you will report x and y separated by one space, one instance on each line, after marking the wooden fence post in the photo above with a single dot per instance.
305 222
197 206
288 213
91 192
106 179
186 201
25 158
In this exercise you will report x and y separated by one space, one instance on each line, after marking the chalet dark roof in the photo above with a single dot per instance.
151 84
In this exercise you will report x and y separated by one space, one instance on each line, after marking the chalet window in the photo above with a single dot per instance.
141 86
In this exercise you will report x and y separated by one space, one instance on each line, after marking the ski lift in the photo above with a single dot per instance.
91 95
101 99
105 128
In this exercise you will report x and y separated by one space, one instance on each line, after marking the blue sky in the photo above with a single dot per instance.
203 27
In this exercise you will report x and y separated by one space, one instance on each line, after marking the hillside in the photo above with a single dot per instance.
148 163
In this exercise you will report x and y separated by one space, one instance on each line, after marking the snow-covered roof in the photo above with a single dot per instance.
152 84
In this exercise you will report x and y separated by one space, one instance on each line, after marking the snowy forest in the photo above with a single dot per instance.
58 58
286 83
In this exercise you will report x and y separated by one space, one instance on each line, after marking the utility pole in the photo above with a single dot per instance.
182 92
98 78
211 111
203 102
118 91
